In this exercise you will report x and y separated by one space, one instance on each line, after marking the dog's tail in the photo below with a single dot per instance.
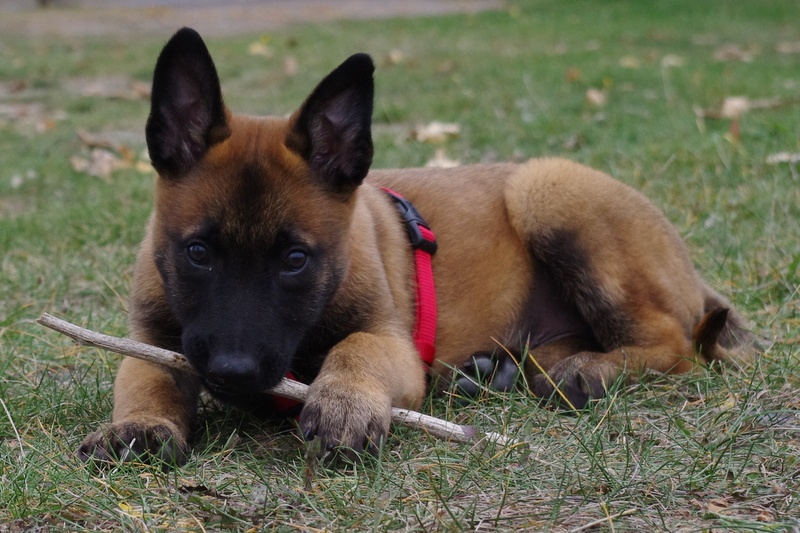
722 334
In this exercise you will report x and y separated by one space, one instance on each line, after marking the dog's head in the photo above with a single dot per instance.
251 219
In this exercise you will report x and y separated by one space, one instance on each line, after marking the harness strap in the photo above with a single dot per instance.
425 328
424 243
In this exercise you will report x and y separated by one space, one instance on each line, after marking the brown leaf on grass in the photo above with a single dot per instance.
100 163
91 140
18 111
573 142
13 87
734 52
596 97
105 155
783 157
672 61
631 62
259 49
573 75
111 87
440 160
435 132
31 117
394 57
733 107
717 505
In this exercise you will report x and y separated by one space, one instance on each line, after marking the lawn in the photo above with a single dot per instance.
697 104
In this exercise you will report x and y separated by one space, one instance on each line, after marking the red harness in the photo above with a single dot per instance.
423 241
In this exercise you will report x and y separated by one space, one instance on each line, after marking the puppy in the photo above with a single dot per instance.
274 250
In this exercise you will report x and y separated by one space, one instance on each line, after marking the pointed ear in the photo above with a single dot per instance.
187 116
332 129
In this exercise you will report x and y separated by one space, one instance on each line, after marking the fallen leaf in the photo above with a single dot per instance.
45 124
729 403
629 62
394 57
435 132
13 87
91 140
259 48
596 97
783 157
31 117
111 87
733 52
19 111
717 505
672 61
101 163
765 515
134 511
573 75
440 160
734 106
573 142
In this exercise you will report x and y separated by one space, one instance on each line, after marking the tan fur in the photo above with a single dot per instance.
512 238
483 216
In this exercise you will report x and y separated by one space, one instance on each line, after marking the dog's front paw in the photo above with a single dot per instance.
346 417
158 443
579 378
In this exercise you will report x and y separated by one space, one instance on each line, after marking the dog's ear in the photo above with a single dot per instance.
187 116
332 129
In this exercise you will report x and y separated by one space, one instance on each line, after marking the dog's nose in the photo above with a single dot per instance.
232 371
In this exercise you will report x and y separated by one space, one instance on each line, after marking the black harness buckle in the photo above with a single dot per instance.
413 221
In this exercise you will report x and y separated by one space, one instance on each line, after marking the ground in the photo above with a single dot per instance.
74 18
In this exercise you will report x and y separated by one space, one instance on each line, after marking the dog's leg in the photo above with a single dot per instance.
584 375
613 256
349 403
153 412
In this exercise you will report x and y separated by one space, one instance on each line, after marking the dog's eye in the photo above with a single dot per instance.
197 253
295 261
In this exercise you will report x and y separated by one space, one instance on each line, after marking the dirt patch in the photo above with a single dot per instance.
76 18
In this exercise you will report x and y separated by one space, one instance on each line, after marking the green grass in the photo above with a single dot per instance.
716 451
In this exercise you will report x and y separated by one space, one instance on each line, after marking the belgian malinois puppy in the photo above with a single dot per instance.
272 249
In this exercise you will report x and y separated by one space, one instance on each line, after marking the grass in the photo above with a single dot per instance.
714 451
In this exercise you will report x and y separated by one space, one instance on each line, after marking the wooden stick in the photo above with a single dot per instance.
286 388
